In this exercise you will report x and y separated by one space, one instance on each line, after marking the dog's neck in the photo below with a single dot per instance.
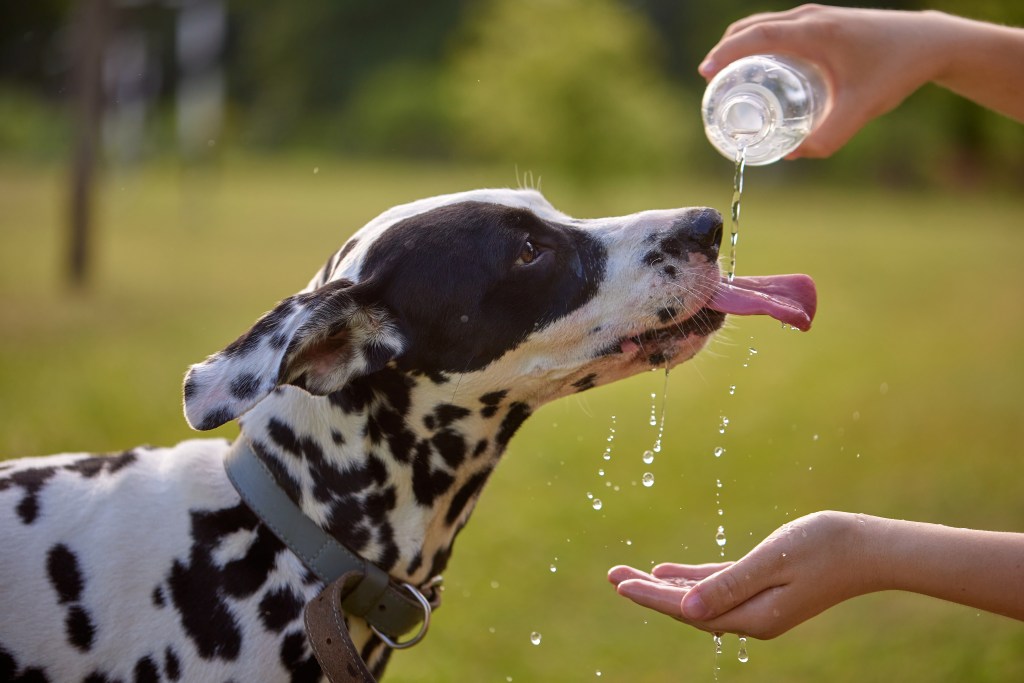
391 465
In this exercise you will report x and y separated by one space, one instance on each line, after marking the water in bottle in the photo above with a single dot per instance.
764 105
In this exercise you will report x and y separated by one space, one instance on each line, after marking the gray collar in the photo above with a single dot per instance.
391 609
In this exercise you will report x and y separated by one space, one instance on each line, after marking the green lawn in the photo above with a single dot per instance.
904 400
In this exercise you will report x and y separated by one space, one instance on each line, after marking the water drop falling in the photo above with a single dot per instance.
718 483
719 451
742 654
535 638
720 537
718 643
753 351
648 457
732 389
648 479
654 410
600 472
554 569
597 504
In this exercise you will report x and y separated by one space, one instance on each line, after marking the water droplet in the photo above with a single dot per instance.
720 537
316 169
607 455
597 504
718 643
648 457
629 542
464 318
742 654
495 584
535 638
554 569
590 495
598 674
721 512
719 451
600 472
732 389
814 438
648 479
718 483
723 424
753 351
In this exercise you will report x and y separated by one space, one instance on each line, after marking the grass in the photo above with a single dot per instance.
902 401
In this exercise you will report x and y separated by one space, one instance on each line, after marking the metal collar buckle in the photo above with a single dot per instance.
424 625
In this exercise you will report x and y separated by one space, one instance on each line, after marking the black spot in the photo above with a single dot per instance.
282 435
481 448
670 271
172 665
32 481
379 504
146 671
158 597
653 258
585 383
428 422
98 677
451 446
265 326
466 493
666 314
80 628
494 398
280 607
197 588
489 411
517 414
448 413
65 575
297 659
427 483
245 386
9 671
337 437
440 560
111 464
215 418
415 563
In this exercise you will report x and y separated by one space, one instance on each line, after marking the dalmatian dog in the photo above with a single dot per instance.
381 398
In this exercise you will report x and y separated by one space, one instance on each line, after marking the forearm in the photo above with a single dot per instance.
982 569
980 61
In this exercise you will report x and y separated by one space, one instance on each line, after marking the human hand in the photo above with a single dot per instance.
803 568
871 59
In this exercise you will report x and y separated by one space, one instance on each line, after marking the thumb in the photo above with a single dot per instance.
719 593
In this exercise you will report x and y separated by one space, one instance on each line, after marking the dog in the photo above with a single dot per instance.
379 398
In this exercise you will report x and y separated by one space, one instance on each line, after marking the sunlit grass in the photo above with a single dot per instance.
904 400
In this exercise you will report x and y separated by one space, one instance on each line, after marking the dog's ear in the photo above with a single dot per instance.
317 340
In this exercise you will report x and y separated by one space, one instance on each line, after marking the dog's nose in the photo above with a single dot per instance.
705 228
698 230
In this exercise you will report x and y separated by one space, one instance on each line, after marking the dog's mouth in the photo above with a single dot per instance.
790 299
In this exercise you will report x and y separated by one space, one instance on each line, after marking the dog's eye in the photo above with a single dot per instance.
528 254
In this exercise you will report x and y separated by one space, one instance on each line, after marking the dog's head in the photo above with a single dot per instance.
500 288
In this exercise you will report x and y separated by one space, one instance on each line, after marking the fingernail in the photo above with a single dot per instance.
693 606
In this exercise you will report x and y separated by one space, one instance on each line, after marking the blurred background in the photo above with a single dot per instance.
169 170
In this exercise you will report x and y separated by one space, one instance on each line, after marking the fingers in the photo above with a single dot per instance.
657 595
692 572
621 573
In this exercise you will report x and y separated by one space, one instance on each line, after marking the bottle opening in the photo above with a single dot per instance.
745 120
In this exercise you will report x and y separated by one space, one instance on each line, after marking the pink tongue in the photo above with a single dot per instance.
791 299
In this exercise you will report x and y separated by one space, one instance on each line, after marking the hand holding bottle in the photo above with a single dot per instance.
873 59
